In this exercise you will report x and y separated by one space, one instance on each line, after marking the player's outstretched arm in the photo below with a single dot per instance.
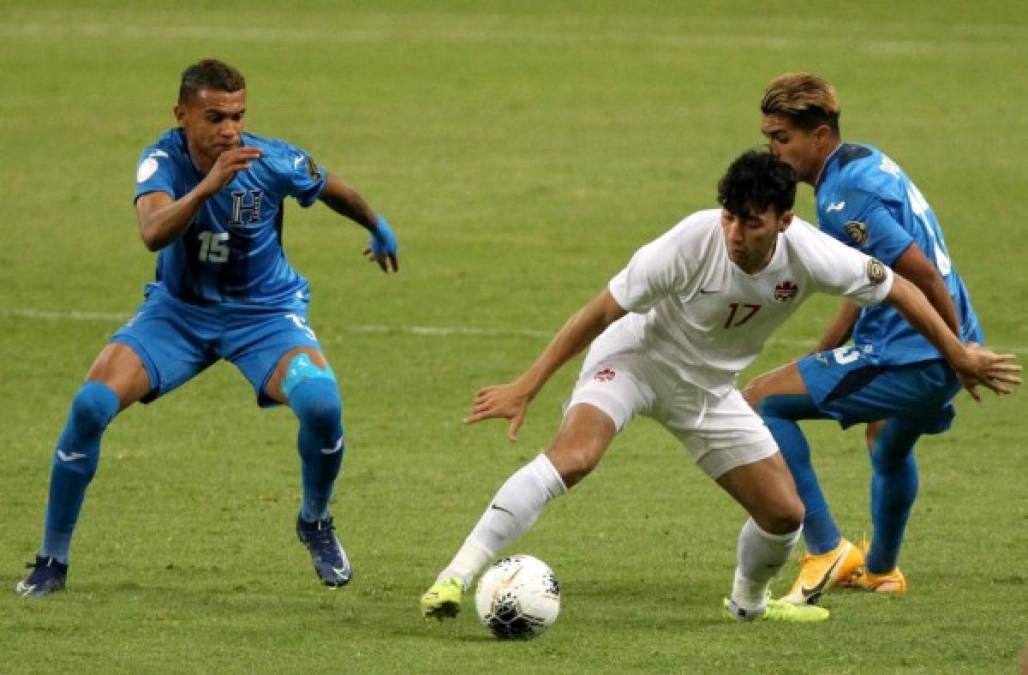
920 271
346 201
510 401
973 364
163 219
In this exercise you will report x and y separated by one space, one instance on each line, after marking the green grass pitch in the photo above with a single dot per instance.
523 151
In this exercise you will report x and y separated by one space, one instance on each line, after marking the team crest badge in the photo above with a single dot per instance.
605 375
786 290
876 271
857 231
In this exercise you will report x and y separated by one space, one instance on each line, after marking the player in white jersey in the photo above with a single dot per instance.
672 331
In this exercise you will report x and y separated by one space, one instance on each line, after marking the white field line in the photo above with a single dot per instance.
381 329
297 35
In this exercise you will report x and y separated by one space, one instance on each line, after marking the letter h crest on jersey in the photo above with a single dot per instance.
246 206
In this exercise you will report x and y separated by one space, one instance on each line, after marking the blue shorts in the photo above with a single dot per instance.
176 340
845 386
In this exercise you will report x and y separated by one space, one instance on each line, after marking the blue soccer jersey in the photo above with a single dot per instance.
232 251
866 201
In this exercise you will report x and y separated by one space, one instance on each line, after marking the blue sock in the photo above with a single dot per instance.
780 413
318 407
75 461
893 489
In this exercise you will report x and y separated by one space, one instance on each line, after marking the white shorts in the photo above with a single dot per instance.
721 433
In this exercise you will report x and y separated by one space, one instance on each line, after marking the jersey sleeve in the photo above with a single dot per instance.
304 178
837 269
656 271
864 223
155 172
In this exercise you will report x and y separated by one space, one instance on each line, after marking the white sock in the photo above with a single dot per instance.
513 510
760 556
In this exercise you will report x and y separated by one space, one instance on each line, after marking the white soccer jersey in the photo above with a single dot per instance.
696 312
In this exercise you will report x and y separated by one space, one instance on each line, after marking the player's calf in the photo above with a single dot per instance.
75 462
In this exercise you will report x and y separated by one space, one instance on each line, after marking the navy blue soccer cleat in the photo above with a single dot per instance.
47 576
327 554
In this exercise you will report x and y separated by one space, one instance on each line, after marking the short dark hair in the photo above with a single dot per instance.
806 99
209 74
755 181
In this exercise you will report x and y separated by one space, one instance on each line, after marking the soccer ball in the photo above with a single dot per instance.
518 597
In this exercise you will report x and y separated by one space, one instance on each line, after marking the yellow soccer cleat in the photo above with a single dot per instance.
819 573
887 582
443 599
779 610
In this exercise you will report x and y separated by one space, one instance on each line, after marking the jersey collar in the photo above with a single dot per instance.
824 167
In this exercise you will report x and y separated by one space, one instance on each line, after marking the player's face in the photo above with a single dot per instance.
751 240
804 151
213 123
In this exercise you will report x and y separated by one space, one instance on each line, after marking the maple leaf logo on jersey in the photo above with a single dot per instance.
786 291
605 375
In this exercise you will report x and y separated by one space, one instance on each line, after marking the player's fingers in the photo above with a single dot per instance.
973 391
483 413
515 424
996 387
482 407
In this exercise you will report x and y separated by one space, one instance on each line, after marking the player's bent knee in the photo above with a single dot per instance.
94 406
787 519
92 409
317 405
574 463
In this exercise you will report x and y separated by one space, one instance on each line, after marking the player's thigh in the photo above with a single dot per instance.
118 367
732 445
169 339
719 432
782 381
276 389
766 490
612 388
264 344
584 436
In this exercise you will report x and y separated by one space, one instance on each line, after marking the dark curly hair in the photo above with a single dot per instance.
755 181
209 74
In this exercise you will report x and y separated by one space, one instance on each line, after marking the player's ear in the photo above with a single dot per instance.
180 112
823 134
785 221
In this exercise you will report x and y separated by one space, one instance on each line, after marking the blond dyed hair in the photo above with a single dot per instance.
806 99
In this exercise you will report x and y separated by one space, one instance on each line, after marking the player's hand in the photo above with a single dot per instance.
383 246
228 164
506 401
994 371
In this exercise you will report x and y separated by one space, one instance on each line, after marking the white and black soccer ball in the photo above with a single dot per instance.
518 597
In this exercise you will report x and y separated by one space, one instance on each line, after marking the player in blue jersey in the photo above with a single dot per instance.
210 201
890 377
